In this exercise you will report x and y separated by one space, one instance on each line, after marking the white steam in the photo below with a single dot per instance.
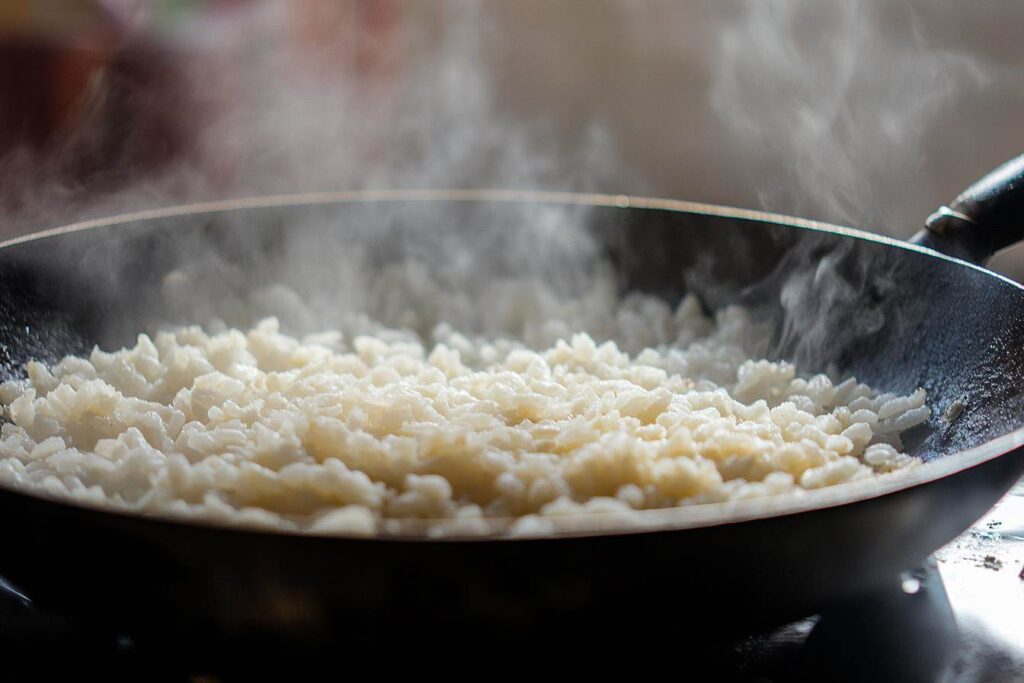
839 90
295 97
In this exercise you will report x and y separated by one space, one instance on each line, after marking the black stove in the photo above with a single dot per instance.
959 618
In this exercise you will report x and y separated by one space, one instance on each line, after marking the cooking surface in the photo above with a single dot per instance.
956 620
984 575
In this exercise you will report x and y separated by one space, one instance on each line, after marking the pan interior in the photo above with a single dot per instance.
894 318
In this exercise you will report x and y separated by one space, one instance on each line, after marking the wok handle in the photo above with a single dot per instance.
986 217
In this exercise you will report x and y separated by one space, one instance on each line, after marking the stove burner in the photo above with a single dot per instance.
905 633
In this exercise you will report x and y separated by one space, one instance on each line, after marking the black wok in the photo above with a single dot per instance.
904 316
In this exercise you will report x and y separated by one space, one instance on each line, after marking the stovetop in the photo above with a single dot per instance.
957 619
983 572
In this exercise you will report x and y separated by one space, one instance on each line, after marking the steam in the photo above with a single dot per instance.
838 89
833 87
845 94
271 102
276 107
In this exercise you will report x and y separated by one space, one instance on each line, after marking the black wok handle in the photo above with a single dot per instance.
986 217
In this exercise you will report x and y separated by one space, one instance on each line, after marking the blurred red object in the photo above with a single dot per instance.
96 94
47 59
87 102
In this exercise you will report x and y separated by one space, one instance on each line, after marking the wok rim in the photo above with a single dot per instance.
680 518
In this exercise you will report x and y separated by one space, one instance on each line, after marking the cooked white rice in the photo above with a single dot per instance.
328 435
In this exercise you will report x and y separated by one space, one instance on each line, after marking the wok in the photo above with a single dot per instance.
901 316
